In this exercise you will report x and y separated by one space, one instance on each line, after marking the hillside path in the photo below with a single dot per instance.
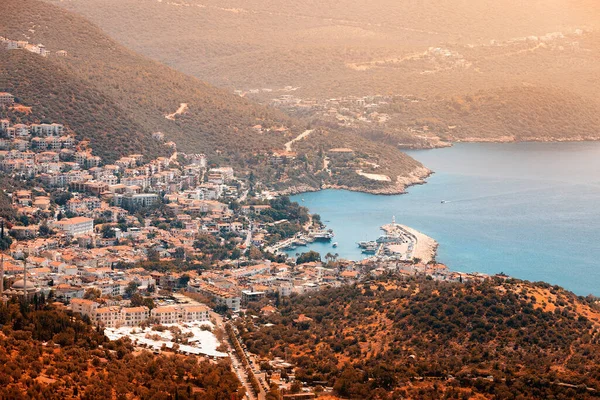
288 145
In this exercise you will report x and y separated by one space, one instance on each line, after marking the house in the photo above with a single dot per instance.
108 316
131 201
6 99
221 296
68 292
250 296
181 313
165 314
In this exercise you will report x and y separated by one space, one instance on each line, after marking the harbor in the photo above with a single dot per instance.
397 242
302 240
400 243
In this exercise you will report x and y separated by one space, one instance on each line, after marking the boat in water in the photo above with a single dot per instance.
366 243
323 235
371 249
335 244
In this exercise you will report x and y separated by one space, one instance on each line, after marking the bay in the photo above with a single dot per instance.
529 210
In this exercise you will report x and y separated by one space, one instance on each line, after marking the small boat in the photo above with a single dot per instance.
365 244
302 199
444 201
369 250
335 244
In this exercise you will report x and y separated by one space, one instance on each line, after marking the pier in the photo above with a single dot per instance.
301 239
402 243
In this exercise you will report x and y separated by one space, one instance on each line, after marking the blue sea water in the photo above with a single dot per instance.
529 210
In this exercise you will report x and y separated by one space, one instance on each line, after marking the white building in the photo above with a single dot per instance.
76 226
133 316
6 99
84 307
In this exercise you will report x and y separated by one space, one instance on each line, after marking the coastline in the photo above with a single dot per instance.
417 176
426 247
525 139
420 174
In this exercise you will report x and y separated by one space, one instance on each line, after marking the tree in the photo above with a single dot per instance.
153 255
108 231
255 253
295 387
183 280
310 256
5 240
131 288
45 230
92 294
179 253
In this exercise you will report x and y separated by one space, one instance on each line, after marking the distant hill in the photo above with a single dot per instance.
300 44
438 50
525 113
416 338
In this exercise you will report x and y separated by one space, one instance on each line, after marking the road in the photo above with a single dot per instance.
182 108
288 145
236 363
249 237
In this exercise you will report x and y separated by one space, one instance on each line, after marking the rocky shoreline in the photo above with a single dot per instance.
420 174
533 139
417 177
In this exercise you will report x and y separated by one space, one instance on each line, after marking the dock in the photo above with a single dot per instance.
402 243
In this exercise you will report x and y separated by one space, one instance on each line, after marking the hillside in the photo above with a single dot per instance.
56 95
438 51
46 353
525 113
144 90
108 86
317 48
417 338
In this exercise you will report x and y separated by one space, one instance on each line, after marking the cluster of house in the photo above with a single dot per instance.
27 150
112 316
10 44
345 111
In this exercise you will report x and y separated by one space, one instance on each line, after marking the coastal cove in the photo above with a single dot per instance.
526 209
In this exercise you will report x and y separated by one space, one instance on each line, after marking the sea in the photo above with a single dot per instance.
529 210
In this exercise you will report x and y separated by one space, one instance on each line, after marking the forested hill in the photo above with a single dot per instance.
144 90
47 353
117 99
57 95
421 339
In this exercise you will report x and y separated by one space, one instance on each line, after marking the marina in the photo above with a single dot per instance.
400 243
302 240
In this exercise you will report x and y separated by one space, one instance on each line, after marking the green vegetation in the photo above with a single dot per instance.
419 338
310 256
